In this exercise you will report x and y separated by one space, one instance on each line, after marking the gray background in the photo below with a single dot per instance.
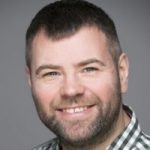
20 128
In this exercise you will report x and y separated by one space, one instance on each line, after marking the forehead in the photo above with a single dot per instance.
90 30
87 42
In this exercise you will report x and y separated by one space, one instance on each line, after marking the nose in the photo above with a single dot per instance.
72 87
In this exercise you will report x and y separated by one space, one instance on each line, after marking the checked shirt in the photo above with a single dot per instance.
132 138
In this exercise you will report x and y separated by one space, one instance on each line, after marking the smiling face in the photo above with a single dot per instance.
75 85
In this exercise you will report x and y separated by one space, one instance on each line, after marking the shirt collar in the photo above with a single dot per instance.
129 135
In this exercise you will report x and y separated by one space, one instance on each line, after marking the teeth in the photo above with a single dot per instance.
75 110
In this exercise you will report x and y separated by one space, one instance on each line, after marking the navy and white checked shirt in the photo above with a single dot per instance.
132 138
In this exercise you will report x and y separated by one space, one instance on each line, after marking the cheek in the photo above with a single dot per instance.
104 89
44 95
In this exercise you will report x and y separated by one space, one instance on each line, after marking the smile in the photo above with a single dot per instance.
75 110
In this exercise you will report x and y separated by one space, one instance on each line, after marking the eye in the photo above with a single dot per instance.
90 69
52 74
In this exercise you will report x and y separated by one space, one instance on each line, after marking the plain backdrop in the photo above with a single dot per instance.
20 128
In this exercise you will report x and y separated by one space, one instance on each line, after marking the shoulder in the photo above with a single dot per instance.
143 142
49 145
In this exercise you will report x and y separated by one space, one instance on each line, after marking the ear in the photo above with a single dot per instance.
28 74
123 68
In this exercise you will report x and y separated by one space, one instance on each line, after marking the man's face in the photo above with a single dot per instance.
75 85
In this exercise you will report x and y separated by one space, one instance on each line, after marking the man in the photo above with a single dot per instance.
77 73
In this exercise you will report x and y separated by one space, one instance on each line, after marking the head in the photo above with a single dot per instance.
64 18
77 71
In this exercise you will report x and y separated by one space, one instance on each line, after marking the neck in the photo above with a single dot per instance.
121 123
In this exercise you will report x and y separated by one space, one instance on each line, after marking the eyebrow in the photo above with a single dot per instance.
80 64
90 61
47 66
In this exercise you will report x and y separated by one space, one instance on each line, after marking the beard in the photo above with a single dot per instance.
84 133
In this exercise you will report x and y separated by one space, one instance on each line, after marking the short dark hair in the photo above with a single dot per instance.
64 18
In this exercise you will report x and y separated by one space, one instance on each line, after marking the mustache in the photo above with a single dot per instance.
75 101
